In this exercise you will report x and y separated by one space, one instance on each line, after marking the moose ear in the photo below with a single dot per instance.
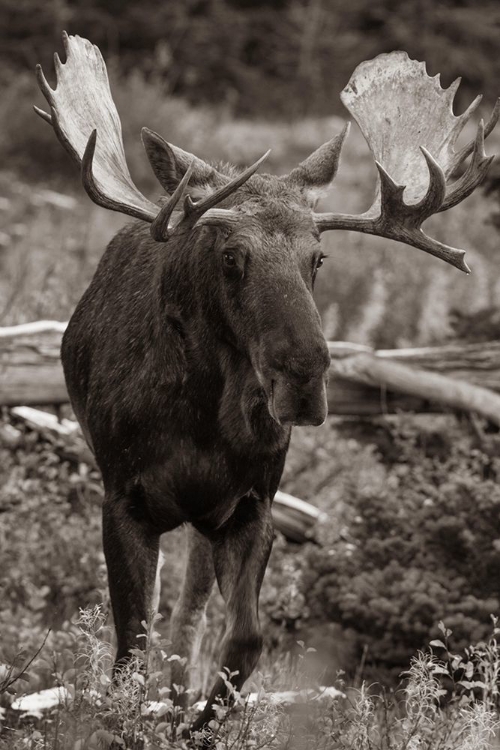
314 175
170 164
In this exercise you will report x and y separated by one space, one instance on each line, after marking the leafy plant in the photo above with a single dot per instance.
419 545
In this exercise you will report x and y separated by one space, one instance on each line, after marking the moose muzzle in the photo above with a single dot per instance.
294 376
304 404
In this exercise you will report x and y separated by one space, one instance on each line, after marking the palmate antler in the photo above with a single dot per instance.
86 122
405 116
408 123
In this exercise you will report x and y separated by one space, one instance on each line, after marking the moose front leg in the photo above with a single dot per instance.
188 616
240 551
131 550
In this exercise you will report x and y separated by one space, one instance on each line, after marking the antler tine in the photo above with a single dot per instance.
436 191
44 115
469 148
193 211
82 107
57 65
382 95
46 91
474 174
396 220
44 85
160 230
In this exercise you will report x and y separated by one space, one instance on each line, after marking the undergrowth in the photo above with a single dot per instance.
445 702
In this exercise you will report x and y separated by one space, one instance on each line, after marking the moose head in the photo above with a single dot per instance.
198 343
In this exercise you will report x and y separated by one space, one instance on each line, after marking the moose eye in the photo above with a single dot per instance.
229 259
317 263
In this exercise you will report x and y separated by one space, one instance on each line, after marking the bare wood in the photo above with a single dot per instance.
28 329
294 518
46 422
478 364
34 704
30 366
431 386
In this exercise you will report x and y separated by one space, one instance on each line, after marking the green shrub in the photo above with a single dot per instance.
51 558
137 711
419 544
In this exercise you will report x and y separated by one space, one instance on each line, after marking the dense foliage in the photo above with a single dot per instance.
87 712
419 545
280 57
51 558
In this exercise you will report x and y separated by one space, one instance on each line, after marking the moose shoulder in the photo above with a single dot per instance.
198 345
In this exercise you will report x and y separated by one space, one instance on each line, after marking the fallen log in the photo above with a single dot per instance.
296 519
423 384
363 382
29 329
46 422
30 365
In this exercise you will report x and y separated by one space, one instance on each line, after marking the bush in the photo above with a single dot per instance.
51 558
137 711
419 545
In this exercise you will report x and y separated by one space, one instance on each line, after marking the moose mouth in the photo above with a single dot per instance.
289 404
270 404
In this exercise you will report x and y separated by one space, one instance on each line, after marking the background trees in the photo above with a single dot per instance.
273 57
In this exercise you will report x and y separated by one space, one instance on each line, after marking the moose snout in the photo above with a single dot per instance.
294 377
299 361
298 405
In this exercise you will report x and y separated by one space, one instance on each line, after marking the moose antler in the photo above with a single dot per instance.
85 120
193 211
409 125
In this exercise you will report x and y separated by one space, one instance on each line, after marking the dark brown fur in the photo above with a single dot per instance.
186 375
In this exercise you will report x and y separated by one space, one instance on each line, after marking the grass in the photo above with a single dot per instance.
446 703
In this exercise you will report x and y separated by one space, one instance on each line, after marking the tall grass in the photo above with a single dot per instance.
437 707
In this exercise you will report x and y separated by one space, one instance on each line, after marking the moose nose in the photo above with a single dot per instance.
297 362
294 374
304 405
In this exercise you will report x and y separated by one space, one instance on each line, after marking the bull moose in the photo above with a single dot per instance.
197 345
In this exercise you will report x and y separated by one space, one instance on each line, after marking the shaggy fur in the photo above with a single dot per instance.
186 371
